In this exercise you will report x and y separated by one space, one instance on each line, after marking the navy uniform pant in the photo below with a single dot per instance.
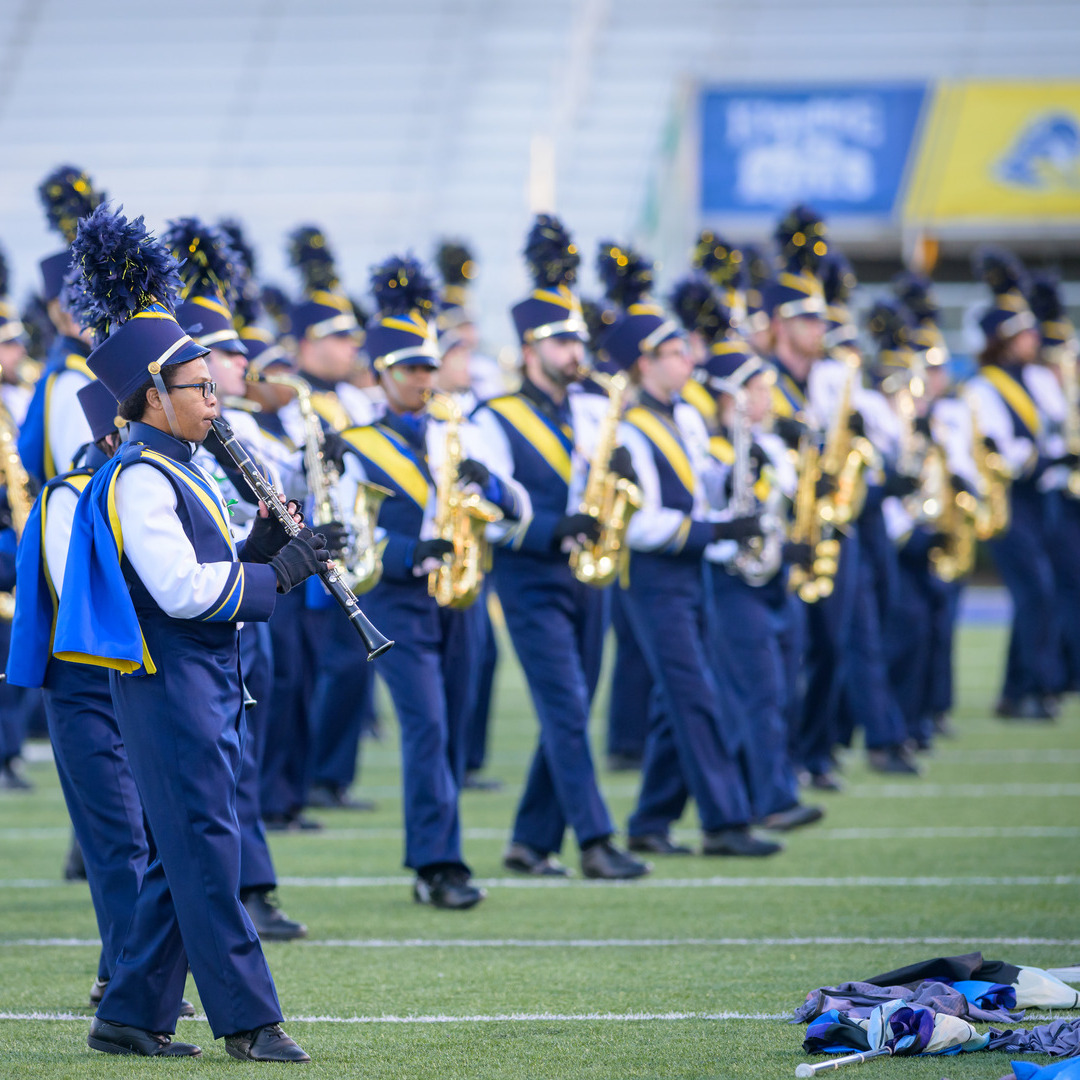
342 697
692 746
432 681
476 745
18 706
749 642
942 634
631 686
100 794
909 643
257 664
1063 531
1023 559
284 778
183 730
557 627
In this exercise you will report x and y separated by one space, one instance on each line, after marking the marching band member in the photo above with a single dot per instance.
162 617
431 672
539 437
691 747
55 426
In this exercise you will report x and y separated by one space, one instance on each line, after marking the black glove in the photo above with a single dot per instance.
789 429
431 549
336 536
856 423
1071 460
738 528
758 458
796 553
622 465
574 526
991 444
922 426
301 557
267 538
471 471
959 484
900 484
5 510
335 448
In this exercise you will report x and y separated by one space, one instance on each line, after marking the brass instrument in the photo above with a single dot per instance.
759 557
948 512
361 561
992 511
20 499
612 500
460 517
816 582
1070 385
845 459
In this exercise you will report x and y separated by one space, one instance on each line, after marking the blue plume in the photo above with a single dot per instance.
234 233
400 286
550 254
455 262
247 306
756 266
1045 297
39 328
68 195
1000 269
699 309
208 263
309 253
118 267
800 239
888 325
717 258
627 275
838 278
915 292
599 318
277 306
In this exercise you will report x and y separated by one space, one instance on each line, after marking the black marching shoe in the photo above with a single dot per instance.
792 818
891 760
523 859
822 781
328 797
602 859
12 777
267 1043
1029 707
270 921
294 822
740 841
475 782
449 889
113 1038
617 762
97 992
74 867
657 844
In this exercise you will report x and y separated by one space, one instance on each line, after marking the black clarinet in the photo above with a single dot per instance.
375 643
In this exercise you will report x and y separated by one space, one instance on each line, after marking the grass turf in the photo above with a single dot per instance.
725 947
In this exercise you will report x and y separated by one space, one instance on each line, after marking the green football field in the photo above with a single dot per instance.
688 973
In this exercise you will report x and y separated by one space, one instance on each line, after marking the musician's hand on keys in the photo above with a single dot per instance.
301 557
429 555
268 535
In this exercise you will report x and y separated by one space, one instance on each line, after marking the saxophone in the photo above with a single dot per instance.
612 500
459 517
20 499
992 512
845 459
950 513
758 558
361 561
816 582
1070 385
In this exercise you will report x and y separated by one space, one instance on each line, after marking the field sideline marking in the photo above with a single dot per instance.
481 1019
641 883
593 943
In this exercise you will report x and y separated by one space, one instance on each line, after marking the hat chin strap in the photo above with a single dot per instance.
166 404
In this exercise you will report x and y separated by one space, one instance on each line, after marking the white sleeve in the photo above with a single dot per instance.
68 426
59 515
488 444
951 426
824 386
1048 395
654 526
158 548
995 422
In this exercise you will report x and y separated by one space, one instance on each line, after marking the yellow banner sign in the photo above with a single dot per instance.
998 151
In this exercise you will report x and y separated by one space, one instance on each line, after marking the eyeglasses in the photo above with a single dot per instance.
208 388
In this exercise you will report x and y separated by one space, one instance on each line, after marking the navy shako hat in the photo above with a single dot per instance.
796 290
99 406
916 296
123 286
730 365
11 327
551 310
1047 306
325 310
889 326
1009 314
403 331
263 351
210 272
838 282
68 195
642 325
